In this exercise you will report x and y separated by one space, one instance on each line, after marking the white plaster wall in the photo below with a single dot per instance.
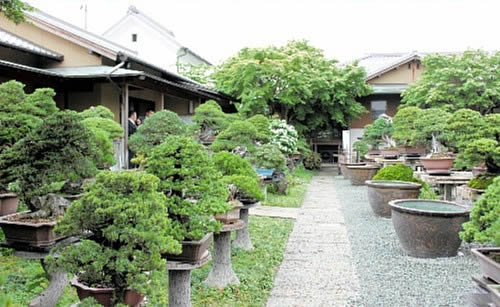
355 135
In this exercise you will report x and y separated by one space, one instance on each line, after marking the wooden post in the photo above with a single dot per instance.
124 111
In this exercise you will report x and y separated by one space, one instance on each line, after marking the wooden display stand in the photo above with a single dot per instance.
243 239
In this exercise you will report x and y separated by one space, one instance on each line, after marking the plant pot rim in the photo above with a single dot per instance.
439 158
353 163
8 195
363 167
393 184
3 220
75 282
394 205
196 242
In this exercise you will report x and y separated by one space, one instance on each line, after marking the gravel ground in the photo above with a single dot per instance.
387 276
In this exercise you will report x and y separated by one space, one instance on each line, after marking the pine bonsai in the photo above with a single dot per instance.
193 186
210 119
262 124
127 217
268 156
379 133
405 126
237 134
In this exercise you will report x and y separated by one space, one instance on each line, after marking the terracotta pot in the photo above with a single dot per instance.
394 153
104 296
489 268
8 203
26 234
359 174
438 165
343 168
381 192
428 228
412 151
192 251
232 215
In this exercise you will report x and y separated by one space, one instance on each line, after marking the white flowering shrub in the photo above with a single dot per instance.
284 136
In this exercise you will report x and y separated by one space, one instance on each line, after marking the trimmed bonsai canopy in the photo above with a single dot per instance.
428 228
210 120
127 218
194 188
358 175
380 133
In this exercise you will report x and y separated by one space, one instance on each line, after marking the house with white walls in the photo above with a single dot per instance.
151 40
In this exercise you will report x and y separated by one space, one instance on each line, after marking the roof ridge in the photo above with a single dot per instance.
133 9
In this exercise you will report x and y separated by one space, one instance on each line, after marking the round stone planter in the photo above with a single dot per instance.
437 166
359 174
345 171
428 228
381 192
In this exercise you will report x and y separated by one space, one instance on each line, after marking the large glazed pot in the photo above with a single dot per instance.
381 192
343 168
192 251
428 228
438 165
8 203
489 261
359 174
104 296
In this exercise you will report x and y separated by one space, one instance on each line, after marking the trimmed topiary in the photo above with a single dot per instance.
209 116
247 188
484 224
238 134
155 131
127 217
268 156
193 186
262 124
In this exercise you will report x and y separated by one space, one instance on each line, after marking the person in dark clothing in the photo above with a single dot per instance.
132 127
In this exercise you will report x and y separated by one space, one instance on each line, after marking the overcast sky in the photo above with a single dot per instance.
345 30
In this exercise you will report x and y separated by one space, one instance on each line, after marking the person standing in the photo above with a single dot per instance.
132 128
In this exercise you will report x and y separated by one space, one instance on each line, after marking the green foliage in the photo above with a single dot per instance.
128 219
201 73
297 82
481 182
312 161
470 80
98 111
362 147
484 224
300 178
57 150
463 127
231 164
238 134
284 136
379 133
246 187
195 190
405 126
261 123
14 10
268 156
155 130
210 115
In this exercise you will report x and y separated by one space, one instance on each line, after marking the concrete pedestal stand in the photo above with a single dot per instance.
242 239
179 280
222 273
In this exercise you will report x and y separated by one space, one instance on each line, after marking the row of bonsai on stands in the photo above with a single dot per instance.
129 222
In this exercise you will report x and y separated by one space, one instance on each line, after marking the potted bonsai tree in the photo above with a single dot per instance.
262 124
239 135
195 192
19 114
123 221
209 120
53 160
271 163
406 131
484 227
380 133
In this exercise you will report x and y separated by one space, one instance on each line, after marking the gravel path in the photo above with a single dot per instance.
387 276
317 267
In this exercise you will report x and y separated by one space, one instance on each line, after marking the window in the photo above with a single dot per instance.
378 107
134 37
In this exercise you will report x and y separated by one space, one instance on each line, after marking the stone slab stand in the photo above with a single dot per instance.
222 273
242 239
179 280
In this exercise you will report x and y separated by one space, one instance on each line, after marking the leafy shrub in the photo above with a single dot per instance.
98 111
284 136
246 187
405 126
231 164
58 150
268 156
238 134
484 224
194 187
155 131
210 116
262 124
362 147
402 172
128 219
312 161
481 182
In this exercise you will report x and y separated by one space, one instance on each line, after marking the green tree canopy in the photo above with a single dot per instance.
379 133
297 82
14 10
470 80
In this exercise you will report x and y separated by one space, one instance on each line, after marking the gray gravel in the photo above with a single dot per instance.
387 276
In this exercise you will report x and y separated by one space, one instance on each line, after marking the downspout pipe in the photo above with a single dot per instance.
115 68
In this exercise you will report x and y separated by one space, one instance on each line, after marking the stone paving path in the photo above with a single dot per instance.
317 269
271 211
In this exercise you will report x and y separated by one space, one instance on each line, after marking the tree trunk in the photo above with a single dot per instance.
54 291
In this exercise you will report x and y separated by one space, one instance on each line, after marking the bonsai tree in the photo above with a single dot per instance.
238 134
405 126
262 124
312 161
127 217
269 156
155 131
284 136
56 153
430 127
484 224
209 119
193 186
100 120
379 133
362 147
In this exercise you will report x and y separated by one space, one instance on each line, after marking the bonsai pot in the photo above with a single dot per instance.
381 192
232 215
104 296
192 251
389 153
436 166
359 174
28 234
428 228
489 262
411 151
345 171
8 203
